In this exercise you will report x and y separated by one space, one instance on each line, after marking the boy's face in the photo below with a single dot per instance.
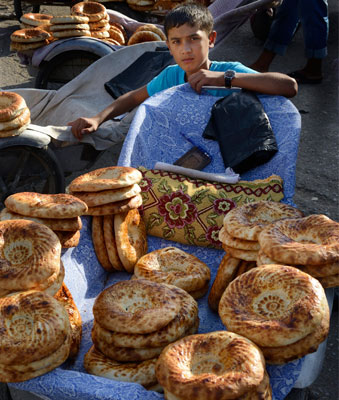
190 46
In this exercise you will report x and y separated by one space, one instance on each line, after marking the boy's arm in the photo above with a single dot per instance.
123 104
273 83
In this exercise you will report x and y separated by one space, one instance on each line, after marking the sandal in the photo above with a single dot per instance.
300 77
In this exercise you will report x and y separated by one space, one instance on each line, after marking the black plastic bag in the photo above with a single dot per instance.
139 73
242 128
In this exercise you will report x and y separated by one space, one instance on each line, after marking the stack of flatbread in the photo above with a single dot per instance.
280 308
133 321
147 33
33 20
29 258
239 237
69 26
60 212
117 34
112 195
175 267
35 335
29 39
310 244
15 116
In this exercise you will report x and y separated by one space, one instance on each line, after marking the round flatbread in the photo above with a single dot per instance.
99 243
116 207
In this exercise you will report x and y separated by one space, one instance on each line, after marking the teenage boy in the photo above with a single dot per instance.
189 31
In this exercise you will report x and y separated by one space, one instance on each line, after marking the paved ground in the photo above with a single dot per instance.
317 166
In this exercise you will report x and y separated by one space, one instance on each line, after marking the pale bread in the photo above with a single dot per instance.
66 224
312 240
106 179
69 19
247 255
59 206
65 297
185 365
98 364
110 243
175 267
237 243
248 220
68 239
72 33
64 27
30 254
137 306
130 237
186 317
94 199
23 119
279 305
116 207
99 243
13 132
52 285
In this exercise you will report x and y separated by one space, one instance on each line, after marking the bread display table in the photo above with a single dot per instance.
159 121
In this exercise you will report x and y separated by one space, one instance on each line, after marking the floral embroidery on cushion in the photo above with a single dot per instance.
191 211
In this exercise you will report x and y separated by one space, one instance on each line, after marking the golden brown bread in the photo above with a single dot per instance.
130 237
100 34
248 220
116 207
329 281
186 317
215 365
143 36
273 305
29 255
29 35
59 206
106 179
65 297
65 27
247 255
98 364
68 239
91 9
110 243
137 306
15 46
35 335
116 34
21 120
226 272
65 224
242 244
11 105
175 267
36 19
71 33
311 240
69 19
152 28
99 243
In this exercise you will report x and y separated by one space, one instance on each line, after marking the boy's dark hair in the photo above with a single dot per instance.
193 14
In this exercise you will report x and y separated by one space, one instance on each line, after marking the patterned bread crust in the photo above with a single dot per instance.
29 255
52 286
215 365
248 220
137 306
66 224
183 321
105 179
152 28
36 19
11 105
247 255
273 305
98 364
236 243
29 35
143 36
329 281
68 239
311 240
93 10
175 267
131 238
57 206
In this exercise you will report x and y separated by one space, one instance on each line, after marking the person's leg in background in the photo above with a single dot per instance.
314 19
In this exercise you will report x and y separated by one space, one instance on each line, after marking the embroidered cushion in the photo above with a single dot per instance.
191 211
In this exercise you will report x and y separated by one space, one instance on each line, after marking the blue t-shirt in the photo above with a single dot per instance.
173 75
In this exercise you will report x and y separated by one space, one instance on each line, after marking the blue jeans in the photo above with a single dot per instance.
313 15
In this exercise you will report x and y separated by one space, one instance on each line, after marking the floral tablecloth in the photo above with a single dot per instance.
155 136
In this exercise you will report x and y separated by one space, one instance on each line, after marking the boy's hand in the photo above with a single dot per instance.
83 126
204 77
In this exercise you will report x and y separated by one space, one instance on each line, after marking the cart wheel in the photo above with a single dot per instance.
23 7
63 68
29 169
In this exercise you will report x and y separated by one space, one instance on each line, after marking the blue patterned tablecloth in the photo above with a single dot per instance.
155 136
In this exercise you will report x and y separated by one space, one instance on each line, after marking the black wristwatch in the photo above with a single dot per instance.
228 76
